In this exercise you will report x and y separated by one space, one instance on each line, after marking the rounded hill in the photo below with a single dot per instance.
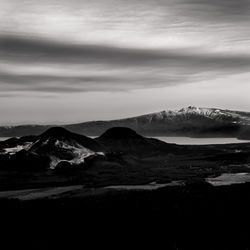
120 133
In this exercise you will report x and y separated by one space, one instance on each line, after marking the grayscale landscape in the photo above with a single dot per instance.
125 124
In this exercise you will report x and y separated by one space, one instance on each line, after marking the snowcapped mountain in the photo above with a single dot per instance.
190 121
190 112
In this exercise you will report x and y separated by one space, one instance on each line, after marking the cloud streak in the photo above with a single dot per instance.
112 68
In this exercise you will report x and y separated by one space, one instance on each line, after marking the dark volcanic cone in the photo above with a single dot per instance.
60 144
121 139
58 134
121 133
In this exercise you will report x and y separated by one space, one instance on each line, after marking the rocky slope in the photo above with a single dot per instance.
55 147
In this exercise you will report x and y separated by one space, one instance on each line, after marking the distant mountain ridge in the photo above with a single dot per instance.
190 121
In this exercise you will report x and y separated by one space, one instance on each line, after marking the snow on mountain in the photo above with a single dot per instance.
65 150
61 145
242 118
56 144
18 148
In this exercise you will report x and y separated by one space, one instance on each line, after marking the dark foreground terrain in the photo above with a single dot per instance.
61 190
191 217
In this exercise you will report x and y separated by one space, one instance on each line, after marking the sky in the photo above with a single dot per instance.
67 61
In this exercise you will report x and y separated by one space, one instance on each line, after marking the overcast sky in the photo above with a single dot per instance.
64 61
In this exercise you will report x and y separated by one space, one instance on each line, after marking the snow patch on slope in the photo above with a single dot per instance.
79 152
13 150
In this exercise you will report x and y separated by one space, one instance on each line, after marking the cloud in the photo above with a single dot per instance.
222 9
19 49
106 68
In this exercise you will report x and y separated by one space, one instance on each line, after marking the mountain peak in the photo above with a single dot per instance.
120 133
193 109
190 108
55 132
